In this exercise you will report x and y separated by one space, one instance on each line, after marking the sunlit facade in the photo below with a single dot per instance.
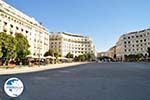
133 43
14 21
67 42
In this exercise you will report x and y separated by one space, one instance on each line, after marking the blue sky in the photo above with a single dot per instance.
103 20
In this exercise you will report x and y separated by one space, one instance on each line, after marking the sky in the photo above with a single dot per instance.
102 20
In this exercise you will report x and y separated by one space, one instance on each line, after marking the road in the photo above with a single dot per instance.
94 81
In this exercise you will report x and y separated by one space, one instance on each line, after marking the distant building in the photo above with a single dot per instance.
101 54
112 52
133 43
65 42
14 21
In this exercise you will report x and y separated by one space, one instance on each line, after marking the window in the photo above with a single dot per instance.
11 25
11 32
132 49
125 50
5 23
17 28
5 30
26 31
129 50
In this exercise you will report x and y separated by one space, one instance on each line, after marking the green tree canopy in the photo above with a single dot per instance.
9 42
69 55
22 47
50 52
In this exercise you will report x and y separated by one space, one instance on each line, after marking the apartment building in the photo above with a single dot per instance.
133 43
14 21
101 54
112 52
65 42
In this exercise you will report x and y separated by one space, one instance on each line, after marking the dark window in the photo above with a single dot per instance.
17 28
11 25
5 23
26 31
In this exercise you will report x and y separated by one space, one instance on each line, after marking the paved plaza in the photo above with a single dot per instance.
92 81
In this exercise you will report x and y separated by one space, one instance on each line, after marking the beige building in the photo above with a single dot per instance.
101 54
133 43
13 21
112 52
67 42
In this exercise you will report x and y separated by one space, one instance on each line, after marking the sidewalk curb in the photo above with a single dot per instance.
37 69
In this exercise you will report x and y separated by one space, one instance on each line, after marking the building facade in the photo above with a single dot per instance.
65 42
101 54
112 52
14 21
133 43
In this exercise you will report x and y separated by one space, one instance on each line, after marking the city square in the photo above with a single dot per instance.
93 81
74 50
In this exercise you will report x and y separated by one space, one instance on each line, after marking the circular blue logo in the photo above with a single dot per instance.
13 87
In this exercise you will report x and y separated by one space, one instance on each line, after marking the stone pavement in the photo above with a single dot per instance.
26 69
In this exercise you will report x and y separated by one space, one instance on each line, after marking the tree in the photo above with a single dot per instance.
81 58
50 52
69 55
87 56
22 47
53 53
8 46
